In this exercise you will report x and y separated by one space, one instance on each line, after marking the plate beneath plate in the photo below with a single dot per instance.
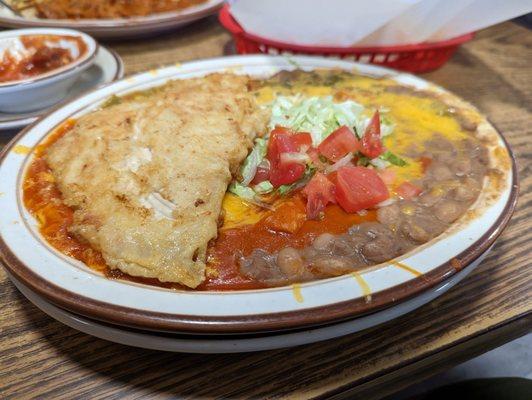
213 344
107 67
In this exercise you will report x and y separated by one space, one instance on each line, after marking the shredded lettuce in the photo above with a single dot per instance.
393 159
263 187
244 192
379 163
387 126
363 161
321 115
252 161
318 115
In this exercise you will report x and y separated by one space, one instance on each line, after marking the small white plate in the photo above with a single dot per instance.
107 67
215 344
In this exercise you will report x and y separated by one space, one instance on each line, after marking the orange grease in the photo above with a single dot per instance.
234 243
43 199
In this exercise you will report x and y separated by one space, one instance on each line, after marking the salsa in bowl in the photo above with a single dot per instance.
38 66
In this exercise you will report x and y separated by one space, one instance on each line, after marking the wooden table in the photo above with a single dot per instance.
40 357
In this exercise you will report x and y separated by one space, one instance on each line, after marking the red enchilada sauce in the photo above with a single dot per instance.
44 53
43 199
272 233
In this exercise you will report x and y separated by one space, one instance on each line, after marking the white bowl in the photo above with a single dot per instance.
45 89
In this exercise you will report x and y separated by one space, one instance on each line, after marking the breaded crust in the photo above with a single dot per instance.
146 177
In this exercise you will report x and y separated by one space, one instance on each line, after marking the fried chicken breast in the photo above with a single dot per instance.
146 177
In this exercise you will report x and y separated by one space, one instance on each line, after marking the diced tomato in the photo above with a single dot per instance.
408 190
358 188
282 141
281 144
425 162
332 177
285 174
388 176
303 140
273 144
338 144
262 174
319 192
371 142
281 130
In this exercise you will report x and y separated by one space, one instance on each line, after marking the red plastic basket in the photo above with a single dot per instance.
416 58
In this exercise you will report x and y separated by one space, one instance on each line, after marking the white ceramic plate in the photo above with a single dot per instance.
236 343
107 67
118 28
71 285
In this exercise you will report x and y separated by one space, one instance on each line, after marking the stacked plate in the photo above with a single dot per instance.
234 321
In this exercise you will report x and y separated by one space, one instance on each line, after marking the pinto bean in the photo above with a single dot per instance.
389 215
465 123
440 144
463 193
258 265
333 265
441 172
462 167
379 250
429 198
415 232
343 247
409 208
309 252
289 261
483 156
447 211
323 241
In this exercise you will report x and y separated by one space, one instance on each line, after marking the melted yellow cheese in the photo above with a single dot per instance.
238 212
21 149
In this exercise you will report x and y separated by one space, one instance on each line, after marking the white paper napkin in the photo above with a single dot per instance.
370 22
480 14
316 22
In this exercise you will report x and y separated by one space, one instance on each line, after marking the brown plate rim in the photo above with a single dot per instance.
332 313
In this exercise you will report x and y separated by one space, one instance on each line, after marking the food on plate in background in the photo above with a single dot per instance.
343 172
87 9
